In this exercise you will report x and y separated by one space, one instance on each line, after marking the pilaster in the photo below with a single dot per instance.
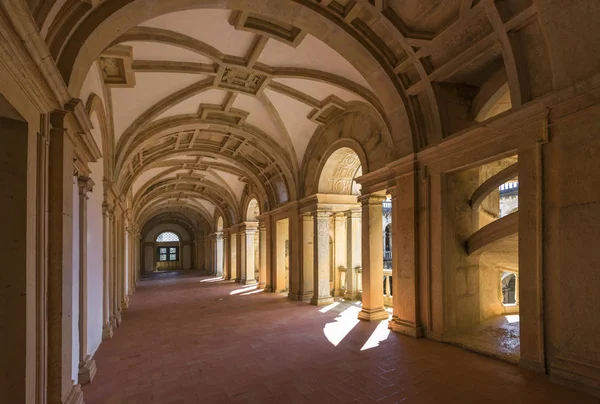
405 319
60 263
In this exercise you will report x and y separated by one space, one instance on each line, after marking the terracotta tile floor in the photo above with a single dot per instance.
188 341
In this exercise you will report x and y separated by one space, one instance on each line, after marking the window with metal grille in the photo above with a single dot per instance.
167 237
166 254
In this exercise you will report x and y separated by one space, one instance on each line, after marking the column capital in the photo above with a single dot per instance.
320 212
108 209
85 185
306 217
353 213
371 199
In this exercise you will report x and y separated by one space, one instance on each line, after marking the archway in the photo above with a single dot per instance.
334 227
483 274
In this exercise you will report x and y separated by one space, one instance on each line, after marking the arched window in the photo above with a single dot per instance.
168 252
167 237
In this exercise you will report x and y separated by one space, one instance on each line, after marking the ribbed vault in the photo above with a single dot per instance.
220 96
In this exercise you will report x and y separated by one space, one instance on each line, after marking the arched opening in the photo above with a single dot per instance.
332 231
483 282
168 253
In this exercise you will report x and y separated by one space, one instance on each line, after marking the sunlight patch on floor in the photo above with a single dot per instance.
348 319
252 292
211 280
244 289
329 307
381 333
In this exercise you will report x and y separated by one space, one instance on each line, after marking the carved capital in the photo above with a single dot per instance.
85 185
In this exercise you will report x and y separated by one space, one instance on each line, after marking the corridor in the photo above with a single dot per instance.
196 339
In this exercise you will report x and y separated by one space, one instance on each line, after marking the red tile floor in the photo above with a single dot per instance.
191 339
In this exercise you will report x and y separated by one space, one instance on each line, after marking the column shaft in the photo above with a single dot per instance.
250 233
354 253
322 290
87 367
308 260
340 253
372 259
262 261
107 327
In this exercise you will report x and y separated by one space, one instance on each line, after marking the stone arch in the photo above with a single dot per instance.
252 209
339 167
108 20
94 105
356 130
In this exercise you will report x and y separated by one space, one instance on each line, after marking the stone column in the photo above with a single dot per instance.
233 255
242 254
322 292
226 256
262 260
516 289
405 256
219 248
295 251
279 275
123 297
117 267
372 259
250 233
308 260
107 219
340 241
60 387
87 366
354 252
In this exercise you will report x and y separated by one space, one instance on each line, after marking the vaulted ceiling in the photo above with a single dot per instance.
212 100
202 108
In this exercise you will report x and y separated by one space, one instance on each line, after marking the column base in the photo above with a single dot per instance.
87 371
250 282
107 331
351 295
262 285
268 289
306 297
125 303
321 301
294 296
373 314
406 328
118 318
74 395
